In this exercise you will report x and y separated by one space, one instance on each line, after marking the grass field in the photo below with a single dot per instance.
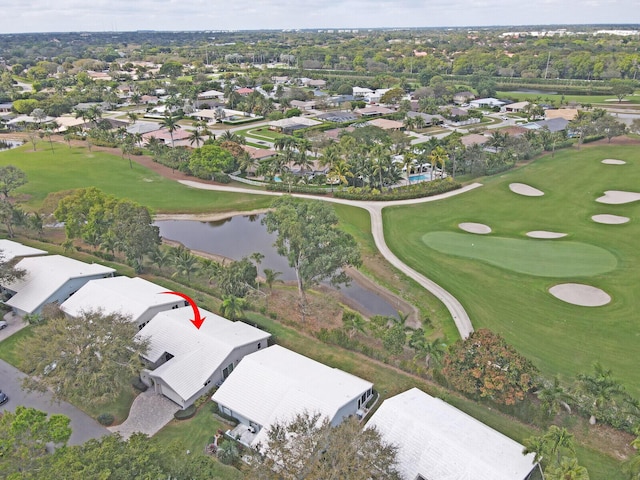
560 338
581 99
68 168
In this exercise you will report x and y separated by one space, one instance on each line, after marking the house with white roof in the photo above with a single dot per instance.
275 384
439 442
136 298
50 279
10 250
184 362
486 103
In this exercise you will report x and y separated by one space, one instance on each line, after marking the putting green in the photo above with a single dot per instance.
532 257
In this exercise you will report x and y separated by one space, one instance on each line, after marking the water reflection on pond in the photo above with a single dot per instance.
240 236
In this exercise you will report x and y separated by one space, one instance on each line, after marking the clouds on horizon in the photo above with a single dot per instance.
121 15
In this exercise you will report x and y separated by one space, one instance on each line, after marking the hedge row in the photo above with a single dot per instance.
284 187
417 190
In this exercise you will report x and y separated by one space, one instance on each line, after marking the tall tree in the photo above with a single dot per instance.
24 436
600 387
308 236
11 177
171 124
84 359
308 447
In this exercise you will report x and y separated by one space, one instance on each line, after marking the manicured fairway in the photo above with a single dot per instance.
544 258
69 168
560 338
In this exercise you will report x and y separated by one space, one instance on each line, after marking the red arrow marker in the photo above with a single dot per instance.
197 321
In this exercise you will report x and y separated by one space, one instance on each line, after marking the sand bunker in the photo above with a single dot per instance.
617 197
612 161
524 189
610 219
545 234
579 294
479 228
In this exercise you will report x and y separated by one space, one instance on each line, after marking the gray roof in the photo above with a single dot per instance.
554 124
338 116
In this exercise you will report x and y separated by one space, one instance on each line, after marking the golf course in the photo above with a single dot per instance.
525 244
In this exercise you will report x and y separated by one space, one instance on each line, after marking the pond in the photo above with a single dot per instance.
534 91
240 236
9 144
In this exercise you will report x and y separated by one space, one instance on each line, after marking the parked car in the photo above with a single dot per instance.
3 398
3 324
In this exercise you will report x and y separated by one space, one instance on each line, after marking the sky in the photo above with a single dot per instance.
127 15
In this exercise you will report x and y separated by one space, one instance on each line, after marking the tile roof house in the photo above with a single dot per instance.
183 362
275 384
436 441
135 297
50 279
386 124
566 113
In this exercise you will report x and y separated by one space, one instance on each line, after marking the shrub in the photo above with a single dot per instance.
105 419
139 384
285 187
417 190
186 413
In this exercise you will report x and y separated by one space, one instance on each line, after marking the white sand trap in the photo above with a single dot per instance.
526 190
610 219
579 294
479 228
617 197
613 161
545 234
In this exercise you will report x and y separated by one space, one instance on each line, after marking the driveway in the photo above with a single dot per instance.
83 427
149 412
14 323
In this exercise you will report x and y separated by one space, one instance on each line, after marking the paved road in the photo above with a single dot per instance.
457 311
82 425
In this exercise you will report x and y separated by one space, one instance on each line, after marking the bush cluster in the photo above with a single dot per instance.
105 419
139 384
284 187
416 190
185 414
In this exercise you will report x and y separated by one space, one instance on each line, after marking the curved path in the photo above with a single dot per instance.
457 311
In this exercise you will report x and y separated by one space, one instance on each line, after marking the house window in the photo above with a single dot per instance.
227 371
259 345
207 382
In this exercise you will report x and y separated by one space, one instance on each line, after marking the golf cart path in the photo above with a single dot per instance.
457 311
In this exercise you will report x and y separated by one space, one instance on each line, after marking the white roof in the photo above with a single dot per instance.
210 94
290 122
440 442
274 384
129 296
10 250
197 353
45 276
487 101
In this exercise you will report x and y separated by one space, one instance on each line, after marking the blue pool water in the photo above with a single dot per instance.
423 177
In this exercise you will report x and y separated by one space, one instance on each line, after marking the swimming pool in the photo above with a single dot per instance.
423 177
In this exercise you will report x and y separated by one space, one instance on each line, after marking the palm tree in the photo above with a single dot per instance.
229 136
567 469
341 171
353 322
185 262
601 387
133 117
271 277
171 124
553 397
161 257
438 156
408 163
431 351
196 137
232 307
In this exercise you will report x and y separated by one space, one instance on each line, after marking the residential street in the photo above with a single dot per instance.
82 425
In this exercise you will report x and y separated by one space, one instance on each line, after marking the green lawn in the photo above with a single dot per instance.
68 168
543 258
560 338
195 433
581 99
8 346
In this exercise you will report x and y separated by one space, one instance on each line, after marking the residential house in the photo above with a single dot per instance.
244 91
6 108
50 279
211 95
338 117
386 124
428 120
136 298
317 83
473 139
184 362
554 124
361 93
275 384
289 125
486 103
373 111
566 113
10 250
517 107
308 105
436 441
463 97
